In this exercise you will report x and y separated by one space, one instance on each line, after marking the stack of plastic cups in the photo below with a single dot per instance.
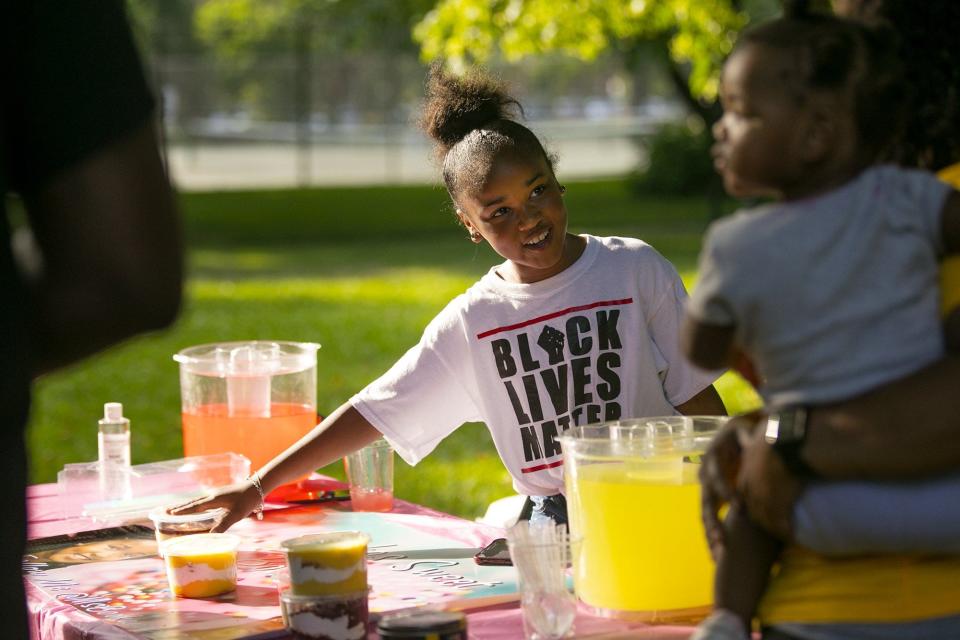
328 594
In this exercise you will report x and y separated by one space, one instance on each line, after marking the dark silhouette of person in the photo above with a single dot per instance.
81 175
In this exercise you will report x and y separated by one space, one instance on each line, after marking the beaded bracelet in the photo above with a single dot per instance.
258 512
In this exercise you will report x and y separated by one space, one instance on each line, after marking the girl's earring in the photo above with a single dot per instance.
475 236
563 189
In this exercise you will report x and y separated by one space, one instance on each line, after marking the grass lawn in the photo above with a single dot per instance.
359 270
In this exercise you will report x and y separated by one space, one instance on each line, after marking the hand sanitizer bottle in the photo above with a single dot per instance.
113 448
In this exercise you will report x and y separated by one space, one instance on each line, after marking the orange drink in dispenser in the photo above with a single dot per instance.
254 398
634 504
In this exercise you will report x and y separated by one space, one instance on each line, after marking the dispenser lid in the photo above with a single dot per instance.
652 437
250 358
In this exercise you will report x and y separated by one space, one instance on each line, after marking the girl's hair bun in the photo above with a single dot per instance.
455 106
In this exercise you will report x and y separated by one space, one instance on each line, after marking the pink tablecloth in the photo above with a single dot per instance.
54 618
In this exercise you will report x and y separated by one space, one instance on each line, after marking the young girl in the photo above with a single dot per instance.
568 330
829 292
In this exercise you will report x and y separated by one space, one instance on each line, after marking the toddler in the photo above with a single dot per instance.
828 292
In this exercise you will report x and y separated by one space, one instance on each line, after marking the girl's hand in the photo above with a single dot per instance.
239 500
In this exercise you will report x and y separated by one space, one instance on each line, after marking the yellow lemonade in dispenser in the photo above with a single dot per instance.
641 543
639 548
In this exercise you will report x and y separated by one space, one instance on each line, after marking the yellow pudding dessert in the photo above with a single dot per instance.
327 563
202 565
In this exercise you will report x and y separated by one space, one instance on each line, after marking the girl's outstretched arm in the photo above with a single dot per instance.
342 432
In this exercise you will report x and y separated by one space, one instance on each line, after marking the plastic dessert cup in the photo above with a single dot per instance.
202 565
170 526
334 617
327 563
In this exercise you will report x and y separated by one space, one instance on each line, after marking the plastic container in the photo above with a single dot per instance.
333 617
202 565
424 625
151 485
633 498
168 525
254 398
324 564
113 452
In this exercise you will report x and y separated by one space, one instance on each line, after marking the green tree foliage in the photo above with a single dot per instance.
678 161
697 34
248 36
235 28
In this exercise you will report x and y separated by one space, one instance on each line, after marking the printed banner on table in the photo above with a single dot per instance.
116 575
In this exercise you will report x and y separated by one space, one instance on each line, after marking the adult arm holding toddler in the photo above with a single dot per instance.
568 330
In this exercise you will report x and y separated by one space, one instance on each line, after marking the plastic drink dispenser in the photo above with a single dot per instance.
639 549
254 398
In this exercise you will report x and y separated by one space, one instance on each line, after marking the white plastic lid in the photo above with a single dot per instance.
251 358
160 514
113 412
332 540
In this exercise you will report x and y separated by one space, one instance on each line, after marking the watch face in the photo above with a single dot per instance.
787 427
773 428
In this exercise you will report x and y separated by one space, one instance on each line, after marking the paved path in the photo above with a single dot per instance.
249 165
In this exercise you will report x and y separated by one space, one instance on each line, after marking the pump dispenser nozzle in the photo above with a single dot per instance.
112 412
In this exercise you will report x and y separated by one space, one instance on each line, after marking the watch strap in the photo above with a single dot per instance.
790 439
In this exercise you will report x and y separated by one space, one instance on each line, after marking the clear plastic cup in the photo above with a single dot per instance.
370 474
541 554
323 564
202 565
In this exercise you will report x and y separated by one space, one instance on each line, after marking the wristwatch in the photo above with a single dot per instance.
787 433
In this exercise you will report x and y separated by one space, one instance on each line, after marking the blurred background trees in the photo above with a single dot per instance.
308 73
